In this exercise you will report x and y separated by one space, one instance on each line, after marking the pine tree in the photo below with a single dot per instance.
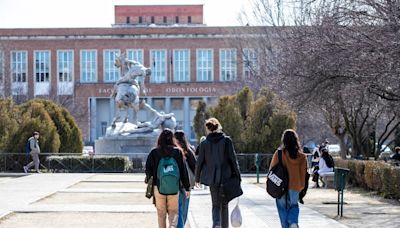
202 114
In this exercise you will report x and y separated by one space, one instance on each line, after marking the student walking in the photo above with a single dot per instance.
165 164
34 151
217 163
190 162
296 164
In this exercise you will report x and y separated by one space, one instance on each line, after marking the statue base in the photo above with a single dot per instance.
118 142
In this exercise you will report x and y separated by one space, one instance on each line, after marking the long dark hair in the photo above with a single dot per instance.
166 141
291 143
328 158
182 141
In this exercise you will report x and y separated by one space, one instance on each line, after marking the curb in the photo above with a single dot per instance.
4 215
14 174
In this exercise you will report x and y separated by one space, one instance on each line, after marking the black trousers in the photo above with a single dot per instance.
220 211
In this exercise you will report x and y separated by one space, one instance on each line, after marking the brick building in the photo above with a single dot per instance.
189 62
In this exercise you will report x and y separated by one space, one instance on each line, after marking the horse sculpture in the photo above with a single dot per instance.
127 89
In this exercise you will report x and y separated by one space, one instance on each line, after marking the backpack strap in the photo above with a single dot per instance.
281 162
280 156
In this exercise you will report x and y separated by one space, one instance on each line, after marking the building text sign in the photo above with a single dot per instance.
170 90
190 90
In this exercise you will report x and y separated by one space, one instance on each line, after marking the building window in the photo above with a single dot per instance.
103 128
42 66
65 66
140 20
128 20
250 62
189 19
159 104
177 19
165 19
158 66
88 66
111 72
227 62
1 68
19 66
176 104
152 19
135 55
181 65
205 68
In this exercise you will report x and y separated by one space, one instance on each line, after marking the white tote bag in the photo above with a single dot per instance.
236 216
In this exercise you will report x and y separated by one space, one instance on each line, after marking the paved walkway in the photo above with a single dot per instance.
21 191
96 196
258 210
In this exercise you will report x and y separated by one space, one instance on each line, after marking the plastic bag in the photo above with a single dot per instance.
236 216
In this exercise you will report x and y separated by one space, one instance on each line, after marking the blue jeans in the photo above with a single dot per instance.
288 210
183 209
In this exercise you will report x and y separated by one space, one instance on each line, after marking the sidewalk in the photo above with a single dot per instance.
21 191
258 210
117 200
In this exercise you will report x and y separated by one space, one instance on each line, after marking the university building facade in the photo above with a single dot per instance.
189 62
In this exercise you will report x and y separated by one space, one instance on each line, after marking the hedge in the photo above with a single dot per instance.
373 175
86 164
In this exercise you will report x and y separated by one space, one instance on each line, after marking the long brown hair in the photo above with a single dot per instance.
166 141
291 143
182 141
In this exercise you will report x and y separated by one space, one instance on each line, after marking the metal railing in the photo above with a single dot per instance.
126 162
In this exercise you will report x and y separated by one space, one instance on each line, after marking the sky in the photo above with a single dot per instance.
100 13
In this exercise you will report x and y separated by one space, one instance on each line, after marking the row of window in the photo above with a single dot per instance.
153 21
178 59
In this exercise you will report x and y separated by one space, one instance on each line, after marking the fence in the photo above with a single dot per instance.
135 162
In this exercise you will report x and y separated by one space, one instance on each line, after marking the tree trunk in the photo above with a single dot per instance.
343 146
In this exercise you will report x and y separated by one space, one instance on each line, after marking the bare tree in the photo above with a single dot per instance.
342 57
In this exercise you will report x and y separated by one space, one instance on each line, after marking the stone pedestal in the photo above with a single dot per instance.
131 145
119 142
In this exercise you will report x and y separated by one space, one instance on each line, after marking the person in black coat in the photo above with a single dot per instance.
216 163
167 204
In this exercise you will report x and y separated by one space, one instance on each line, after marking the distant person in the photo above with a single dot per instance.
396 156
166 165
34 151
315 156
296 164
216 163
325 165
190 162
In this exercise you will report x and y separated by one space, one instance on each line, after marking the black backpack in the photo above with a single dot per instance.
28 147
278 179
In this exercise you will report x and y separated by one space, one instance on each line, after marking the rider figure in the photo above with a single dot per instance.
131 79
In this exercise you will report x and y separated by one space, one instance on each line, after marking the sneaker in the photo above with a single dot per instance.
294 225
25 169
38 171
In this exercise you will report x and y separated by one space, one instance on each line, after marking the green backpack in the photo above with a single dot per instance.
168 175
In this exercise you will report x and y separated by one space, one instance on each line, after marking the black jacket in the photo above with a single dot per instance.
217 159
191 160
152 163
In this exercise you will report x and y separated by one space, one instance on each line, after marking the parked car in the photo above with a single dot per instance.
386 153
334 149
88 151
